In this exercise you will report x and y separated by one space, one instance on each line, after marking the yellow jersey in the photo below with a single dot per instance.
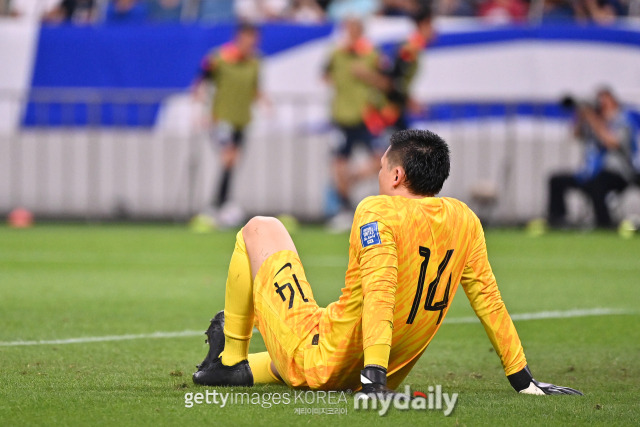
406 259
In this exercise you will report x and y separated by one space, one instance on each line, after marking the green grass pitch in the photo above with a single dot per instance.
73 281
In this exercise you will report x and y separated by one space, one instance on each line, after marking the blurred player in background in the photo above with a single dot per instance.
408 252
352 95
234 71
610 157
395 78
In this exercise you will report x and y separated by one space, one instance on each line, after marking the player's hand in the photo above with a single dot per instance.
374 383
523 382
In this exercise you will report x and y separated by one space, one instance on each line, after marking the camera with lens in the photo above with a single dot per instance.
571 103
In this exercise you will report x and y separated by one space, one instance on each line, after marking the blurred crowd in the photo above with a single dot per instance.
314 11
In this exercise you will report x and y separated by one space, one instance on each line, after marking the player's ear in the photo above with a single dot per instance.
399 176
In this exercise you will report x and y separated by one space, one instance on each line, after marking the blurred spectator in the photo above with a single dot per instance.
455 8
217 10
399 7
608 133
339 10
604 11
261 10
126 12
305 11
164 10
503 11
79 11
560 11
6 8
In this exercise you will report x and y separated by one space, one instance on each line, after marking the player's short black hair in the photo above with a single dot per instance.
424 156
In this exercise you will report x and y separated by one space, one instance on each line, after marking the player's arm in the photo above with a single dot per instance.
206 72
259 95
606 136
480 286
327 69
376 77
379 273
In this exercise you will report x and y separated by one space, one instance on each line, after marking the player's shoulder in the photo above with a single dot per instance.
388 207
460 210
458 206
455 203
337 51
376 204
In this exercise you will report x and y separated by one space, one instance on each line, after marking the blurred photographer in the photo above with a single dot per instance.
608 132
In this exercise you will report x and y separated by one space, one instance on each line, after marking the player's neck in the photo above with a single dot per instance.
404 192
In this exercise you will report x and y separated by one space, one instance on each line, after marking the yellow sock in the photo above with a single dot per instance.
260 364
238 306
377 354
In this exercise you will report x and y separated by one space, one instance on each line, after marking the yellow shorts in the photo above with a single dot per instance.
286 313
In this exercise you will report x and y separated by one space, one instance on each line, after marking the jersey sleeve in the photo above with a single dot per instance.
480 286
376 251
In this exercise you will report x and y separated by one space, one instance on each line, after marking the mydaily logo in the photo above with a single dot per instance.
416 401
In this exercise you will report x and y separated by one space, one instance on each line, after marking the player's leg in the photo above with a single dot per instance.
341 180
285 309
376 147
226 142
598 188
228 159
341 172
255 243
231 368
283 301
263 369
260 238
231 140
238 305
559 184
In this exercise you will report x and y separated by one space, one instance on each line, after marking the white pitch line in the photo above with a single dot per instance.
451 320
103 338
550 315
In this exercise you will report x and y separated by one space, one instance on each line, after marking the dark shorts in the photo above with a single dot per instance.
350 136
225 134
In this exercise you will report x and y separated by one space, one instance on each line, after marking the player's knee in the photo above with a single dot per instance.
260 226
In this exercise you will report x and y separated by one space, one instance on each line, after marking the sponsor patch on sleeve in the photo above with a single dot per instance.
369 234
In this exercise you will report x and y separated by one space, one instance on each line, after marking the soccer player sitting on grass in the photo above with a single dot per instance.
408 252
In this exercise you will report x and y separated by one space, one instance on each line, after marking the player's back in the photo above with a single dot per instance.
433 238
429 241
